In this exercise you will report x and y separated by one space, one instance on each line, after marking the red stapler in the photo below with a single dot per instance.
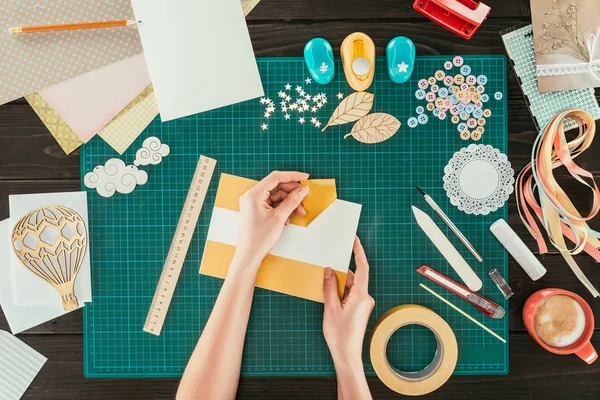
462 17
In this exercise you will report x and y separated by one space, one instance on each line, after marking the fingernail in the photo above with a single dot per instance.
302 210
357 239
303 191
327 273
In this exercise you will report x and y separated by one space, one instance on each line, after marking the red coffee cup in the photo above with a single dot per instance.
582 347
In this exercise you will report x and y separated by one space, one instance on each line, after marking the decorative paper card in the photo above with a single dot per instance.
199 54
28 288
127 126
34 61
566 34
64 135
19 364
295 266
90 101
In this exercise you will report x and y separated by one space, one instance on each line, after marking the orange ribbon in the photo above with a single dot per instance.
555 211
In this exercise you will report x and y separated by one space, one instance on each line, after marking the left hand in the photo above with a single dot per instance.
265 209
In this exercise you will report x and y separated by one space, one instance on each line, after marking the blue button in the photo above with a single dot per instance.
420 94
443 93
412 122
477 113
469 108
485 98
461 127
420 110
482 79
423 118
465 70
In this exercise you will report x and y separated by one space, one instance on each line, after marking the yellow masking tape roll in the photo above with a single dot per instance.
435 374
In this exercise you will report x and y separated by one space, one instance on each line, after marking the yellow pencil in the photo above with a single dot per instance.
68 27
491 332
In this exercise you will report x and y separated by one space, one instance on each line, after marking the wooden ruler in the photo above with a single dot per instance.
180 245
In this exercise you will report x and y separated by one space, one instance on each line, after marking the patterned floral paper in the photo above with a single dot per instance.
30 62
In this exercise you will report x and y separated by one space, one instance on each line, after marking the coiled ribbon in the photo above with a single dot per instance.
555 211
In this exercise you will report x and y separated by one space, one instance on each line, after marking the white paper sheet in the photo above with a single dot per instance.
19 365
199 54
28 288
327 241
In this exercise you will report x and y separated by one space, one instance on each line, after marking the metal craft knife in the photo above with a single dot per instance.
484 305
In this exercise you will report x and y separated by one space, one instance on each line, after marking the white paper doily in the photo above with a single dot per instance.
478 179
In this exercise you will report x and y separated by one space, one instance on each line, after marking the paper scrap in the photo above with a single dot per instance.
295 266
151 152
65 136
131 121
199 55
19 364
90 101
29 289
114 176
31 62
248 5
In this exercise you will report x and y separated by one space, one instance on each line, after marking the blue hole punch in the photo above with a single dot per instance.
400 53
318 55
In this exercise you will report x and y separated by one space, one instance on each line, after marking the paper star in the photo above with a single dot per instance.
313 120
268 100
288 98
313 109
287 116
340 96
267 114
264 127
324 101
318 124
305 107
271 108
263 100
302 93
283 103
294 106
284 108
281 94
317 98
298 88
402 67
301 101
308 81
307 96
288 87
301 120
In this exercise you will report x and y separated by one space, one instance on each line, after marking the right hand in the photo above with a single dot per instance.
345 322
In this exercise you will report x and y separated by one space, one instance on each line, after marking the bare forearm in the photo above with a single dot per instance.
214 368
351 380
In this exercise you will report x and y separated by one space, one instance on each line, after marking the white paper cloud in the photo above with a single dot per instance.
152 152
114 176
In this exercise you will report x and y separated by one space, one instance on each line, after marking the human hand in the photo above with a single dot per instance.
345 321
265 209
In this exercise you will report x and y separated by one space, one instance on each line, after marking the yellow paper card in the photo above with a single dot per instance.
321 195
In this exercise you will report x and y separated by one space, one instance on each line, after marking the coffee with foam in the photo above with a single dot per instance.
559 321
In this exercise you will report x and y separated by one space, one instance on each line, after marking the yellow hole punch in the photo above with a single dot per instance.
358 60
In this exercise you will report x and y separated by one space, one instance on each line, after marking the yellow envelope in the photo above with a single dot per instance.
295 266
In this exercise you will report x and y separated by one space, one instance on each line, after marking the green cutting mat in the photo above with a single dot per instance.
130 234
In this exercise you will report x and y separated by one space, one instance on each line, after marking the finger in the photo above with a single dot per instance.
330 289
271 181
349 279
291 202
278 196
361 276
286 187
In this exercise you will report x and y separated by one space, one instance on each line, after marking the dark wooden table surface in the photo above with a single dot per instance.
32 162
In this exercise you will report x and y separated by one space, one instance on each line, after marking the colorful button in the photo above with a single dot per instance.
455 89
459 79
480 129
443 93
471 80
465 70
420 94
423 84
471 123
430 107
435 88
475 135
481 121
480 89
455 119
448 65
436 112
469 108
472 89
464 87
476 97
477 112
448 80
462 126
442 115
431 80
478 104
454 111
420 110
465 135
412 122
439 75
430 97
464 115
482 79
423 118
439 102
461 106
498 95
485 98
487 113
458 61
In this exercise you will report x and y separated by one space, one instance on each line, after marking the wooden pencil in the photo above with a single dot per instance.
68 27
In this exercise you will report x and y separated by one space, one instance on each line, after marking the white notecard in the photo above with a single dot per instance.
199 54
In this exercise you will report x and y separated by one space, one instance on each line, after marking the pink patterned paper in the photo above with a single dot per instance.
90 101
30 62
